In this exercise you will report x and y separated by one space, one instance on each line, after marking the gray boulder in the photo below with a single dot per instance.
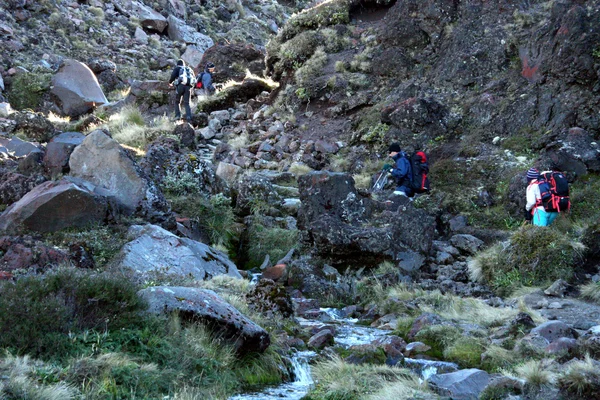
58 151
18 148
154 250
148 18
77 88
207 307
468 244
53 206
180 32
553 330
465 384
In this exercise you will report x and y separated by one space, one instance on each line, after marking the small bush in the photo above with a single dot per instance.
534 256
591 291
39 312
581 379
439 337
275 242
26 89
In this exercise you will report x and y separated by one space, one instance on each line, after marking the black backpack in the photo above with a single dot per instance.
554 191
420 169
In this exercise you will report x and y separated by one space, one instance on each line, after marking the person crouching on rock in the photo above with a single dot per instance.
400 171
204 81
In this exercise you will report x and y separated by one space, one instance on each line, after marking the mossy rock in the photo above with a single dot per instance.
240 93
28 88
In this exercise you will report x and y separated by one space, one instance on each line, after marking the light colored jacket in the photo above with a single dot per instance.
533 195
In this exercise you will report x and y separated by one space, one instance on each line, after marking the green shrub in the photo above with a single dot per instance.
26 89
584 198
581 380
214 215
534 256
39 312
275 242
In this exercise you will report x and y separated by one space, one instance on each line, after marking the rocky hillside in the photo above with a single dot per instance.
129 240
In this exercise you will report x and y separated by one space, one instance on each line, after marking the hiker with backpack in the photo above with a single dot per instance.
204 82
401 171
183 78
547 196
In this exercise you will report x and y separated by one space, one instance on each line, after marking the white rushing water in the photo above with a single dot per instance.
288 391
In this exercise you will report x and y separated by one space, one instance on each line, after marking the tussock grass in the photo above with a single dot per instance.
533 256
337 379
581 379
299 169
239 142
362 181
591 292
496 358
130 127
535 373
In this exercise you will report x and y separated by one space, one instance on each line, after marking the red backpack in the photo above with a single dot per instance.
420 169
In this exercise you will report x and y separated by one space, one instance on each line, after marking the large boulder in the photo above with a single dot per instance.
77 88
58 151
148 18
154 250
465 384
55 205
180 32
19 148
344 226
575 151
207 307
102 161
233 59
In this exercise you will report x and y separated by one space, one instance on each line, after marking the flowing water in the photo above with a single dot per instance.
347 334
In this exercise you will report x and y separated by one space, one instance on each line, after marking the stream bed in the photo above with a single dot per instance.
347 334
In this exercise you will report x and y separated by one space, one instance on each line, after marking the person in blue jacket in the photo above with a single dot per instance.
400 171
205 78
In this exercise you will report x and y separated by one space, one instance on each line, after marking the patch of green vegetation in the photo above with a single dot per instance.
103 242
275 242
495 217
534 256
325 14
39 314
27 88
580 380
466 352
305 75
438 337
376 134
596 52
403 326
214 215
527 141
584 198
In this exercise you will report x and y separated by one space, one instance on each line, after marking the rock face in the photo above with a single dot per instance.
77 88
208 307
342 225
154 250
58 151
465 384
243 56
34 125
149 18
102 161
52 206
180 32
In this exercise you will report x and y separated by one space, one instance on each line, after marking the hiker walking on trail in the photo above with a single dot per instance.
183 79
401 171
534 209
204 80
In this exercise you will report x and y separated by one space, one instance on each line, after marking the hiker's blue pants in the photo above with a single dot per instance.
542 217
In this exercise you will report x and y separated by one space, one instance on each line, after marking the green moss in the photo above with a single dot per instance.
527 141
328 13
27 89
466 352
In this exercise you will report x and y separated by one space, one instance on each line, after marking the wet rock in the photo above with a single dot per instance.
393 347
53 206
302 305
365 354
206 306
320 340
155 251
465 384
416 348
77 88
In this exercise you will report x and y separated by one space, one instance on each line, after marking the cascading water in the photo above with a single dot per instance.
288 391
